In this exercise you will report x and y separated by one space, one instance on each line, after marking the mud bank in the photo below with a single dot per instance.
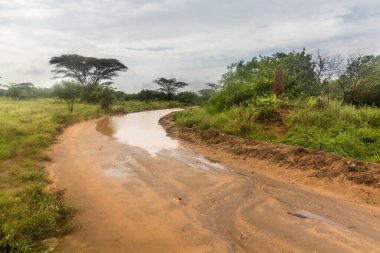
314 163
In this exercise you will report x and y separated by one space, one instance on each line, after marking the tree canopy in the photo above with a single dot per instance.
169 86
68 91
88 71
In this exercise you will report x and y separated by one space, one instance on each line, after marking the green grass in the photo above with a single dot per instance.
340 129
28 214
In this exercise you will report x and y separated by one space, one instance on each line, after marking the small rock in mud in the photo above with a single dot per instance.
243 236
352 167
181 202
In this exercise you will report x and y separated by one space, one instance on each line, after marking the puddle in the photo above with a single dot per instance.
192 159
139 129
303 214
142 130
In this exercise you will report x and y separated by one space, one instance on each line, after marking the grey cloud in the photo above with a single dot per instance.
154 49
189 39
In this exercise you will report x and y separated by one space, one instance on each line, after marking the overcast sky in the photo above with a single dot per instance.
191 40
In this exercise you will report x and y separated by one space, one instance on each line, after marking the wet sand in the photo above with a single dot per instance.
132 196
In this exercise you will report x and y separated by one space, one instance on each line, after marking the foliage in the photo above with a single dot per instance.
187 97
332 127
266 106
136 106
90 72
244 81
336 128
150 95
231 122
169 86
360 82
67 91
25 91
29 217
106 97
27 128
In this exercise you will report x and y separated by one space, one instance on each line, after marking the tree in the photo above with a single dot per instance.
89 72
361 73
187 97
21 90
147 95
327 68
169 86
68 91
214 86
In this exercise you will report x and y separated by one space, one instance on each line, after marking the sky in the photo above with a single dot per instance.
190 40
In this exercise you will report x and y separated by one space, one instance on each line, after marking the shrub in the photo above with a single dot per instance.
29 217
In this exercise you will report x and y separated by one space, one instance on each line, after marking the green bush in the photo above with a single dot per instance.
29 217
340 129
266 106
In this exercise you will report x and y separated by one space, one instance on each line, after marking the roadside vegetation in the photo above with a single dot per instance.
29 214
315 101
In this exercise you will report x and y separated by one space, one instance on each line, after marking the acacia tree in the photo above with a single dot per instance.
68 91
89 72
169 86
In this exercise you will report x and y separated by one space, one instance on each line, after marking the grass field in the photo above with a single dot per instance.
28 214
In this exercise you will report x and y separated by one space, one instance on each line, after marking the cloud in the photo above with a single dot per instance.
192 40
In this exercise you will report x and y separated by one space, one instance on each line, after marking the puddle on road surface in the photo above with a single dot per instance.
142 130
192 159
139 129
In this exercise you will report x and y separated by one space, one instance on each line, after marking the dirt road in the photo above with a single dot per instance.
136 190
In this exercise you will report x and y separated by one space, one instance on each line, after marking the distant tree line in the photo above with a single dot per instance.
89 79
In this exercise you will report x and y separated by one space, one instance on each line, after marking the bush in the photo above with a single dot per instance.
29 217
266 106
340 129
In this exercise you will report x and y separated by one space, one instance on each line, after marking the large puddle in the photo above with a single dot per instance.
140 129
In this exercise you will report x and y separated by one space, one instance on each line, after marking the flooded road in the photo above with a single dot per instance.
136 190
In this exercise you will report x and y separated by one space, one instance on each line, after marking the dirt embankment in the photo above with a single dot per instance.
322 164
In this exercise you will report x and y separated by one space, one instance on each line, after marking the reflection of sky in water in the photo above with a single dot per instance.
192 159
142 130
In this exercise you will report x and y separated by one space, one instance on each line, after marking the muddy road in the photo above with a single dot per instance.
137 190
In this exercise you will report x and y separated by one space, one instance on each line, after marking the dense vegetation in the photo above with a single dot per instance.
329 103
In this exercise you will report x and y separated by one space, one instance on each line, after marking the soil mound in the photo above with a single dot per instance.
322 164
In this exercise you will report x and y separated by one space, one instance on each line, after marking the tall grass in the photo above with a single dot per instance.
28 214
341 129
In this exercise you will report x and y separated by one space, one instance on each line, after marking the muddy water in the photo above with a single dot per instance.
142 130
139 191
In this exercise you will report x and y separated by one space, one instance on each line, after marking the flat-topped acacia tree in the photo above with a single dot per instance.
89 72
169 86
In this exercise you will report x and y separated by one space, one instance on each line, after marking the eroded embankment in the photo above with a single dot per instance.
323 164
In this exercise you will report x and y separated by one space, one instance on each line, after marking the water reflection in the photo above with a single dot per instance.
142 130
